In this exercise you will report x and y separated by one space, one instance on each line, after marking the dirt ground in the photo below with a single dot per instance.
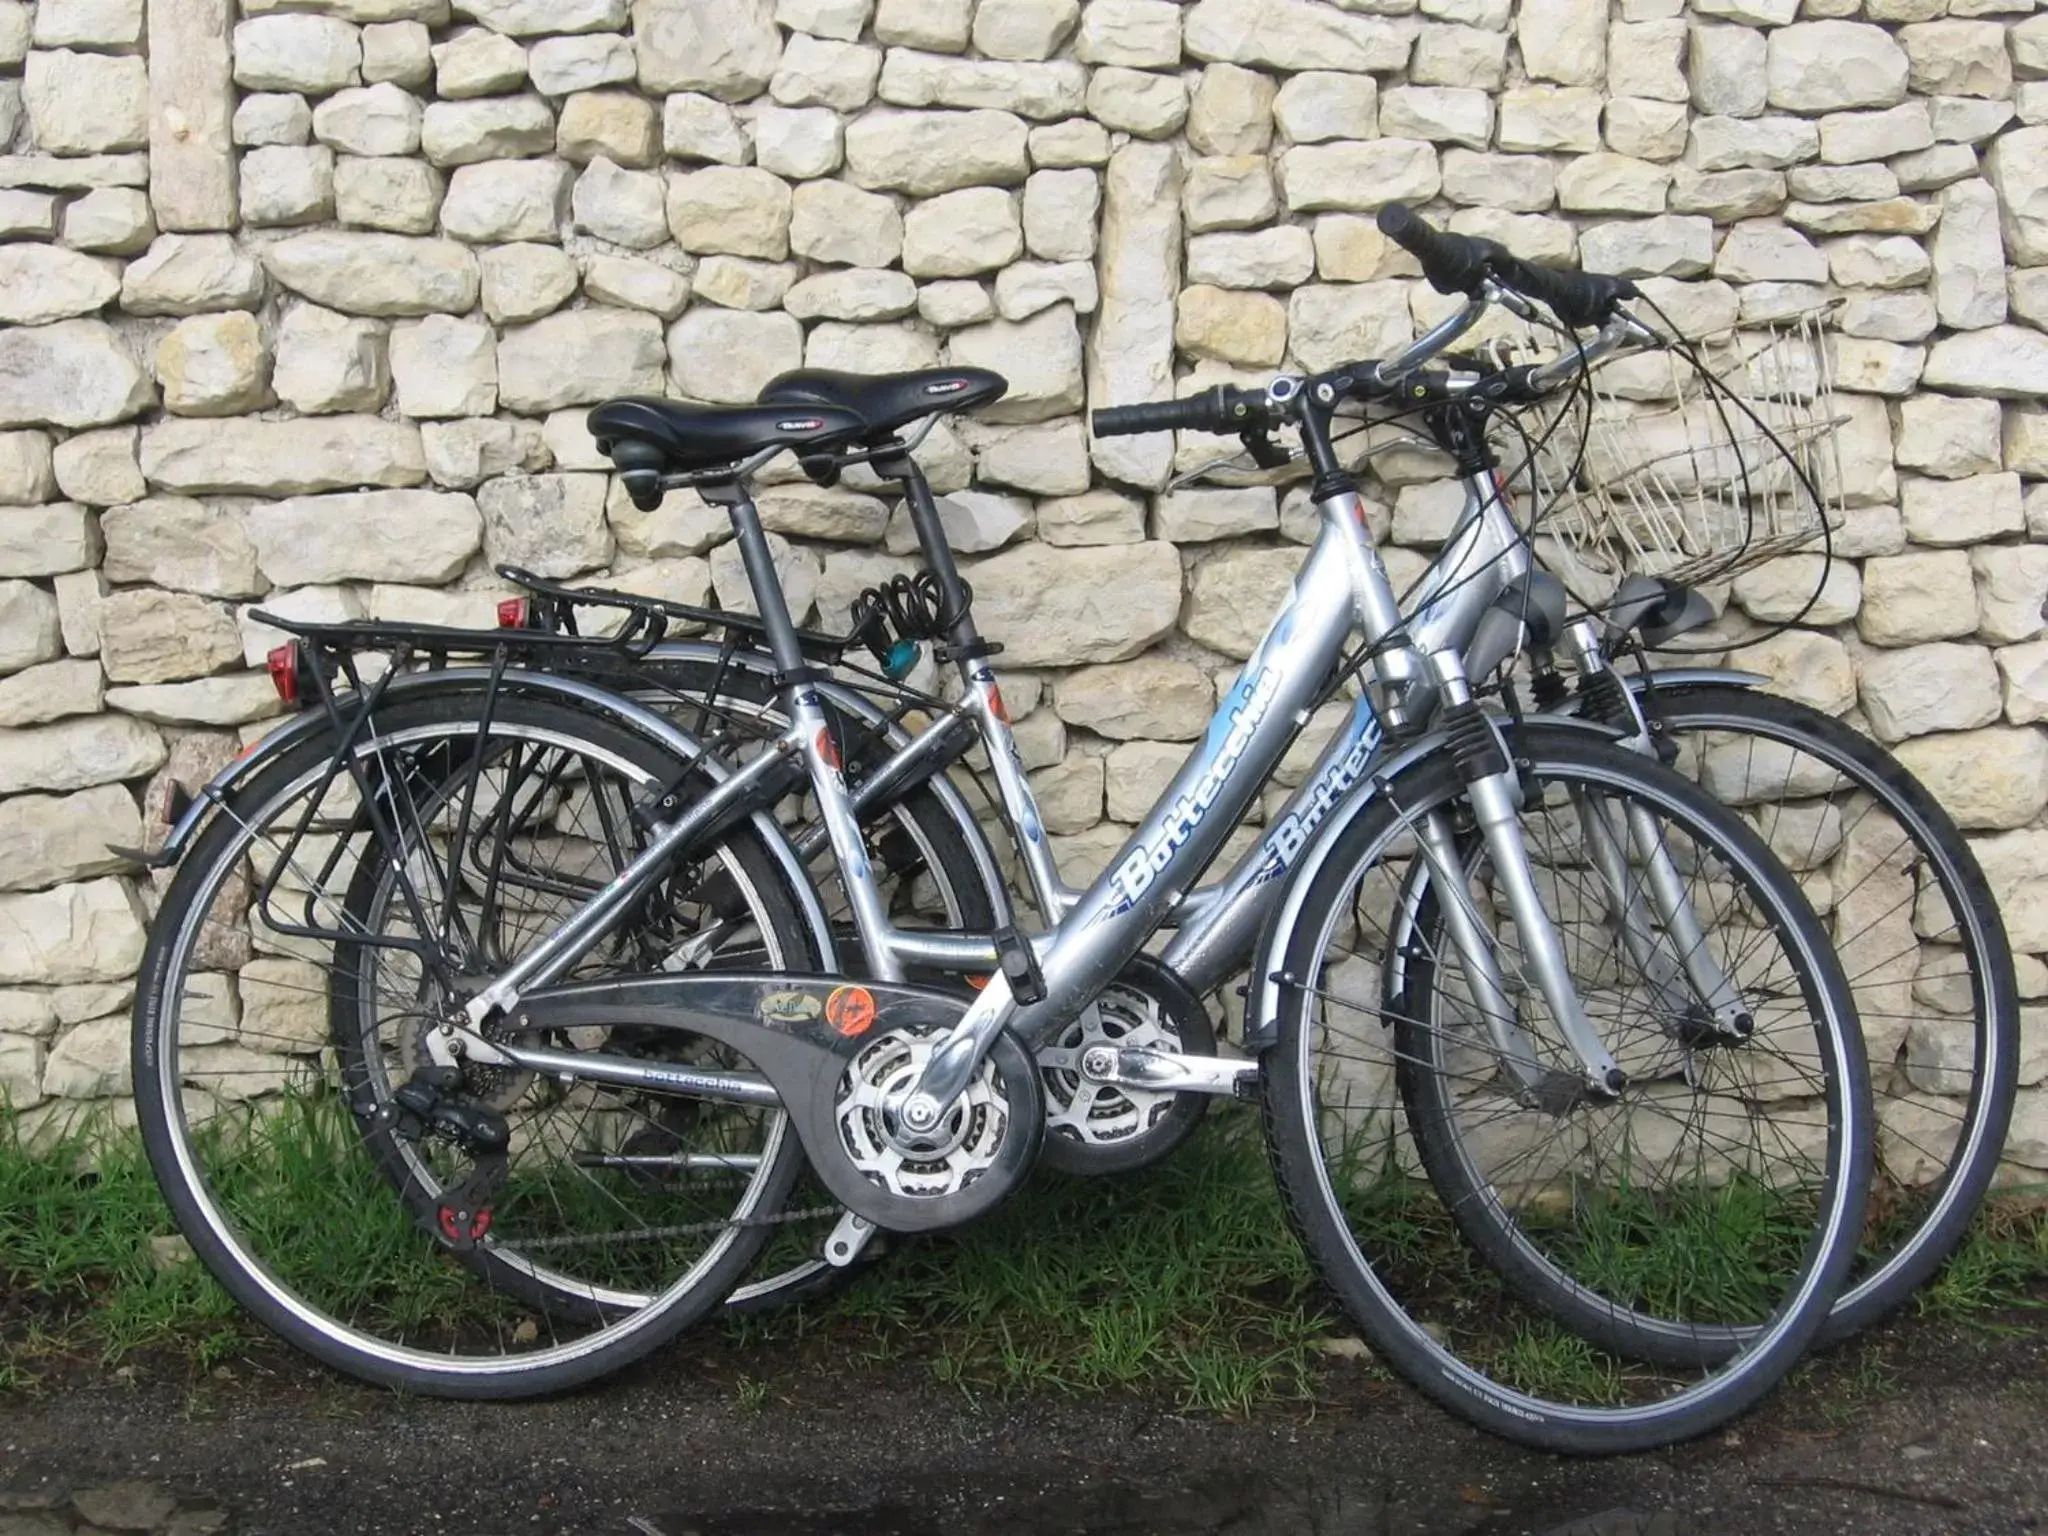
1928 1428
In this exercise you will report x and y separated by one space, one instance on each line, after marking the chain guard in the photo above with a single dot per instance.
1094 1129
805 1034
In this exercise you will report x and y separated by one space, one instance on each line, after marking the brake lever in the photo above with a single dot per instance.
1265 453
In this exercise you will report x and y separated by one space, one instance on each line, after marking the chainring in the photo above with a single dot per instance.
1097 1128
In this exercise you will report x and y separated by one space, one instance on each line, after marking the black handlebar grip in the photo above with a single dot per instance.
1452 263
1153 416
1579 299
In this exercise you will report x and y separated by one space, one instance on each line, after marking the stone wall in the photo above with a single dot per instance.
302 304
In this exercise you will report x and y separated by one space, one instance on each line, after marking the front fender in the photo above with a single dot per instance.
1262 1000
1693 677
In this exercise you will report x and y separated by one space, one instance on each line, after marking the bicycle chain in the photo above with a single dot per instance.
663 1234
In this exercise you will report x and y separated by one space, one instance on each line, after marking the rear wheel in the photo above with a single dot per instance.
293 971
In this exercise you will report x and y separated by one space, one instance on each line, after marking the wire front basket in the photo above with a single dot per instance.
1694 463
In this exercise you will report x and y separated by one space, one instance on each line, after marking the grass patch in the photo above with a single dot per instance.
1184 1279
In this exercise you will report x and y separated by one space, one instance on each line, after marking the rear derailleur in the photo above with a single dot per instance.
430 1105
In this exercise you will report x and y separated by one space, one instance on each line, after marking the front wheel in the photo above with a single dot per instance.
1436 1163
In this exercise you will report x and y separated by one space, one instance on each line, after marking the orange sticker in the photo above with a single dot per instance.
828 749
996 705
850 1011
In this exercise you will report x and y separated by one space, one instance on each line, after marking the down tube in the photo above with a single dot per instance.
1183 832
1217 934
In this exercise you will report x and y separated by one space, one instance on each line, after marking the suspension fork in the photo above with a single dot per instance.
1494 793
1711 986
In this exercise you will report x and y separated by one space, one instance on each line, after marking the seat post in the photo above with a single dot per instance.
762 576
961 635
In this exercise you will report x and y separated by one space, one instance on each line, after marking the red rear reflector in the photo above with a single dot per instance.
284 671
515 613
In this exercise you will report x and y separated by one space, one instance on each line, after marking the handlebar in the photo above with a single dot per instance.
1465 263
1225 408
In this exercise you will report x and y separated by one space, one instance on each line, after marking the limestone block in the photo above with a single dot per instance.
1439 113
372 120
616 124
1887 316
624 207
185 545
1842 183
1800 664
1992 779
1969 258
1958 58
1454 55
943 26
53 691
560 65
1928 688
740 211
316 55
1766 143
1228 192
727 356
2023 673
1606 183
2012 587
1029 287
273 118
477 63
1283 257
926 153
1934 168
1045 459
579 357
695 127
214 365
1056 607
1515 183
1875 367
1670 245
114 221
1548 119
281 457
191 110
1233 596
552 525
1877 261
728 49
1231 111
399 196
1563 40
1340 323
1646 59
75 373
462 454
376 274
1827 66
1962 511
738 283
2018 167
1358 176
819 72
47 540
503 200
29 630
1999 360
1059 214
445 367
1951 438
25 468
1809 588
86 103
328 362
398 51
1294 35
1231 326
1097 517
869 348
1912 598
525 282
1318 105
958 234
637 284
1043 91
1727 70
1130 354
1727 195
41 283
456 133
813 512
1041 357
156 637
1848 138
832 222
85 932
950 305
97 468
799 142
1760 251
855 294
287 186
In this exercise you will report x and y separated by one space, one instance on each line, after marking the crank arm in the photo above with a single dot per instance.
1169 1072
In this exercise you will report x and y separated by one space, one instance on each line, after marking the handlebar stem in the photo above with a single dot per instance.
1436 339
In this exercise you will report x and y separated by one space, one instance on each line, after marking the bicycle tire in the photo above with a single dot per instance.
1293 1115
619 1336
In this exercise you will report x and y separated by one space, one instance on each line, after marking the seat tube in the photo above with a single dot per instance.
810 735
